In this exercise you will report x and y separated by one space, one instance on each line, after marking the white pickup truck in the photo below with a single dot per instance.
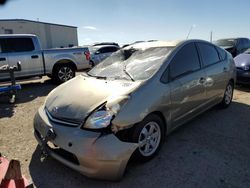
59 64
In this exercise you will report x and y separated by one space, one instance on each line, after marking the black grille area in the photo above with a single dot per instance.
66 155
62 121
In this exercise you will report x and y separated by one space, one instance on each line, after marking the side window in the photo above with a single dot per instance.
248 43
222 54
165 76
2 46
208 53
113 49
1 43
185 61
108 49
19 45
102 50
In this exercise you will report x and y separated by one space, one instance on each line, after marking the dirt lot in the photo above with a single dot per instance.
213 150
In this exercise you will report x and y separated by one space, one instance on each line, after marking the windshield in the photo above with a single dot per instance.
131 63
226 42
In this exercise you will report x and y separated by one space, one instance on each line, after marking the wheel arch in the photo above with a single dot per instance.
160 114
64 61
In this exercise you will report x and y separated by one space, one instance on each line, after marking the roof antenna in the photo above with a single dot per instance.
190 30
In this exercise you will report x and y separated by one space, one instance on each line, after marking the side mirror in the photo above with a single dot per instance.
97 52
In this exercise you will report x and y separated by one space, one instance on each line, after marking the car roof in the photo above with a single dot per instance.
101 46
236 38
154 44
105 43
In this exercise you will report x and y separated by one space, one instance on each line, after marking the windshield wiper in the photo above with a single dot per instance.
127 73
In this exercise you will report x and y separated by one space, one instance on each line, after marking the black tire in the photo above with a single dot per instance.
228 96
137 134
63 73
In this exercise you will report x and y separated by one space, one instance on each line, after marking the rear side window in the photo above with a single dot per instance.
208 53
222 53
185 61
19 45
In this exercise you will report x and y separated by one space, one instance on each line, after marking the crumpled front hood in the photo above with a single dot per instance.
242 60
75 99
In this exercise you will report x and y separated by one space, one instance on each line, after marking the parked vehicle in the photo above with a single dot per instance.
101 51
242 63
129 103
60 64
235 46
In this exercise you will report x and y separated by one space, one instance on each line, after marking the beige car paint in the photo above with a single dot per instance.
105 156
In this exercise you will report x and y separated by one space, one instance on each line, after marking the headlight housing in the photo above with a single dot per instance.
101 118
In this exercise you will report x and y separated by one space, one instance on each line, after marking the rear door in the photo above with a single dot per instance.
216 70
186 84
23 49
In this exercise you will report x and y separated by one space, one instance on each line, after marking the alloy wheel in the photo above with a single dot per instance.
149 138
65 74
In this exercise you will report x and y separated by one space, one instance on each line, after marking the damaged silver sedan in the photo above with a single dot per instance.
126 105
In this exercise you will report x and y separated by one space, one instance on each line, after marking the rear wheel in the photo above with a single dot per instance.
63 73
228 95
149 135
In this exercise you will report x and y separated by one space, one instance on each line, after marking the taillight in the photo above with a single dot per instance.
87 55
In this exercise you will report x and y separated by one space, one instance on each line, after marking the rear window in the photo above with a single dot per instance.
226 42
19 45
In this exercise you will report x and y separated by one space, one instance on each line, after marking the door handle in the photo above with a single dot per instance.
34 56
225 69
2 59
202 80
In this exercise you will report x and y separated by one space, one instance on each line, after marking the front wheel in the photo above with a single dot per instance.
63 73
228 95
149 134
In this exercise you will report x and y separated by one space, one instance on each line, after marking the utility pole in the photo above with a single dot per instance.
211 36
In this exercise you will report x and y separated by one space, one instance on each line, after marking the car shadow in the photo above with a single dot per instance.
212 150
245 88
29 92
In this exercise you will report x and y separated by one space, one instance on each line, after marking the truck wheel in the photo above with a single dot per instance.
63 73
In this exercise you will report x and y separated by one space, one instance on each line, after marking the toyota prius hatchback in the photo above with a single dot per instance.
126 105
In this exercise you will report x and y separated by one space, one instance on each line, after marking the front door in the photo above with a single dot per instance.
187 79
3 60
23 49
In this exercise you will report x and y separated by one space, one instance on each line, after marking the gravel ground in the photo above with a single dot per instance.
213 150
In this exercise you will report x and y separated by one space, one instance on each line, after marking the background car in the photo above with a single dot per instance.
126 105
100 51
235 46
242 63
